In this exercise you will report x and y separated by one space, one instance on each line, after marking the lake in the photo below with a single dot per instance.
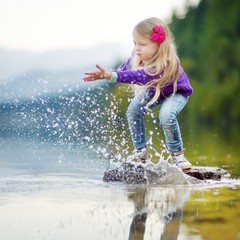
53 155
55 191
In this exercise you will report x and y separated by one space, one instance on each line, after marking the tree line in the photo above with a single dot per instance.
209 49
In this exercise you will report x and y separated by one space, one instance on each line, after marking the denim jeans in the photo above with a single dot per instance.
169 109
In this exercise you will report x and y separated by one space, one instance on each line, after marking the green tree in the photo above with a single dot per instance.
209 49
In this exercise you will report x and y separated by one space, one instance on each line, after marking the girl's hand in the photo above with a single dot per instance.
97 75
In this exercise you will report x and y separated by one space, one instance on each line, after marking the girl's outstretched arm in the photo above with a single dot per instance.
97 75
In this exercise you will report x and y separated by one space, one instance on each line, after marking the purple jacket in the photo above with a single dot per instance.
140 77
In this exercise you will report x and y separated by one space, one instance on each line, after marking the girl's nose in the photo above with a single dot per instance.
137 48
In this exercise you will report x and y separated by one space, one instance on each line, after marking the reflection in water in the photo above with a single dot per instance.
50 191
165 203
66 208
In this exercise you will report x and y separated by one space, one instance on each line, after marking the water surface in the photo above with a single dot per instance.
52 191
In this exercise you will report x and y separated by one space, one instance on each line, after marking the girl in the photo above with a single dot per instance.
155 68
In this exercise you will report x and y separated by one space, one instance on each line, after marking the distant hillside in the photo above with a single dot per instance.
25 75
13 63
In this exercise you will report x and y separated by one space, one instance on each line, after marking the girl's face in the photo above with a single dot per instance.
144 48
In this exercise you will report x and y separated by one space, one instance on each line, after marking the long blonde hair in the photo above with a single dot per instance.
165 61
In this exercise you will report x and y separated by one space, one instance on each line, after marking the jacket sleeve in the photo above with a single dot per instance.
124 74
139 77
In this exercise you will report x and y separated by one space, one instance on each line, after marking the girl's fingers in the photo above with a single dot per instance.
93 73
92 76
100 68
88 79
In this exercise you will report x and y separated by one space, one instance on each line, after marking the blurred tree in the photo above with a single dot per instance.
209 49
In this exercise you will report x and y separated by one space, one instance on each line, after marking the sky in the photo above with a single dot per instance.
44 25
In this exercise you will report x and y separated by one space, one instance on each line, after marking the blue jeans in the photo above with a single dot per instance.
169 109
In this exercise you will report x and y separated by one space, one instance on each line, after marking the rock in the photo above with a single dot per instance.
204 173
161 173
126 172
164 173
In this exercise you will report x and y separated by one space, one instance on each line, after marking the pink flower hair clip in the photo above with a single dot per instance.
158 34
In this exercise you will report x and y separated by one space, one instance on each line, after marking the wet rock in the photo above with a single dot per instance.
161 173
204 173
126 172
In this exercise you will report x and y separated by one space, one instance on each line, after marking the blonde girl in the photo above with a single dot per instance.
155 68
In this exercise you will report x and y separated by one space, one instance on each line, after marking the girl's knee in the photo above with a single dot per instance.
134 111
130 112
167 119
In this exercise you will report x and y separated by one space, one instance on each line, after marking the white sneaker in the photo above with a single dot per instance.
181 162
138 156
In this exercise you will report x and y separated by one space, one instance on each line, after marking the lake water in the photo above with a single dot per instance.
54 191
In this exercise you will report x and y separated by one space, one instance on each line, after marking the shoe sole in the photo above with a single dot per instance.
185 168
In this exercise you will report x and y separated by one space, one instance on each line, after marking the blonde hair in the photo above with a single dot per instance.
165 62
